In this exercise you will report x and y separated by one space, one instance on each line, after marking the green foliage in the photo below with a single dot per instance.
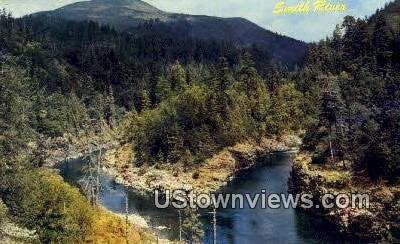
145 102
163 89
231 106
186 99
43 202
178 81
286 114
59 114
83 76
109 108
357 71
161 134
15 116
254 88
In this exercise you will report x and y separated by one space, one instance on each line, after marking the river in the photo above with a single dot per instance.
239 226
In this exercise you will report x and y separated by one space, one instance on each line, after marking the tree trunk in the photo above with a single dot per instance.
330 145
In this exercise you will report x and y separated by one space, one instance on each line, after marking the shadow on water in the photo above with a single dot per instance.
245 225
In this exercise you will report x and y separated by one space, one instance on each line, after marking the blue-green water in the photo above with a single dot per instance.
239 226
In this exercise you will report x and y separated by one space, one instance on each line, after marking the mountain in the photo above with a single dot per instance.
129 14
121 14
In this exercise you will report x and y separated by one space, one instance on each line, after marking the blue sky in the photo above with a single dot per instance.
307 27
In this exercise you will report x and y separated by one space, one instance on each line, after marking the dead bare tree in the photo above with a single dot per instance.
91 180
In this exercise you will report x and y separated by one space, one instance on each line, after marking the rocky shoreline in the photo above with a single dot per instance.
57 150
213 174
379 223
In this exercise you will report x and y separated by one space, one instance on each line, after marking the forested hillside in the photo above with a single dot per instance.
101 73
173 99
127 15
179 101
357 72
354 144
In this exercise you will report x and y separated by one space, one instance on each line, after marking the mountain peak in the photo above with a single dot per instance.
126 15
111 5
122 2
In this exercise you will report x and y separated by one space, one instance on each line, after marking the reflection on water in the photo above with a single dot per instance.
233 225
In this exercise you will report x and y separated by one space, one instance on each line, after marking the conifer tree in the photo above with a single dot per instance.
15 117
178 82
383 40
145 102
220 83
331 109
109 109
163 89
255 89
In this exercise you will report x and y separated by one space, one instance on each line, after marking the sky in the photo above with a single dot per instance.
307 27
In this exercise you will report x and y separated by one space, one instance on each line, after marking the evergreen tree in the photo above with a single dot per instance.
331 110
286 114
222 79
178 81
220 100
109 108
15 118
163 89
77 114
383 40
145 102
255 89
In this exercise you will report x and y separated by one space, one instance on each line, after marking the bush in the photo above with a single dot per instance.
41 201
59 213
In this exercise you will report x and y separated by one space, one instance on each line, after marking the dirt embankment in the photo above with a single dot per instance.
213 174
380 222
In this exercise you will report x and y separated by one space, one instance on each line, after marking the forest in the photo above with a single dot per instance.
181 100
358 73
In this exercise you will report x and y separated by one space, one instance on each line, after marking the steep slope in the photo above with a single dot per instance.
128 14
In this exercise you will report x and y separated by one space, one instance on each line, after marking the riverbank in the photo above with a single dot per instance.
69 147
213 174
108 227
378 223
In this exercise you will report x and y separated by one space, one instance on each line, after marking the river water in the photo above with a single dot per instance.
239 226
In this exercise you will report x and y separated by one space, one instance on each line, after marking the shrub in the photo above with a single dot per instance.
41 201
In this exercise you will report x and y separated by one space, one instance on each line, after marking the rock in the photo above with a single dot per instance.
379 223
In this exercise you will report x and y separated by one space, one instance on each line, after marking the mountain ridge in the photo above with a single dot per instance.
125 15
